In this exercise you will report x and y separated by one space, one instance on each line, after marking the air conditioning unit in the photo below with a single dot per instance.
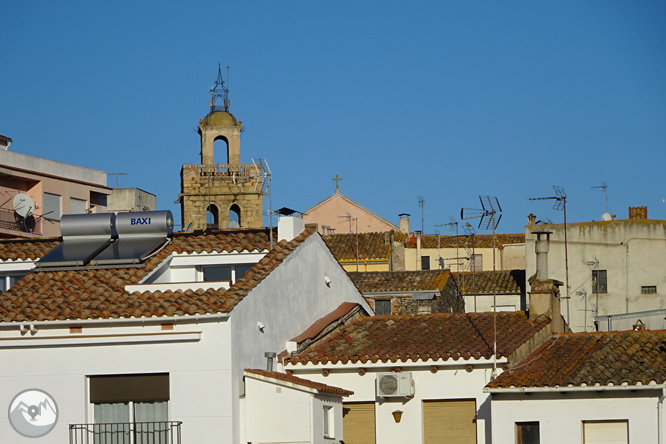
392 385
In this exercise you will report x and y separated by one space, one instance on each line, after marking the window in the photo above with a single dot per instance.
599 281
477 262
383 307
130 402
51 206
425 262
328 422
606 432
649 289
230 273
77 206
7 282
527 433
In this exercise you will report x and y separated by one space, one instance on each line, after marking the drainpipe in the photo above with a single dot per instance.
626 283
660 416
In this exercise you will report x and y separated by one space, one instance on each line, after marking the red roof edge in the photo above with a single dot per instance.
300 381
319 325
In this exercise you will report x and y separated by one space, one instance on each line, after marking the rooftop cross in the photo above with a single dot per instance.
337 183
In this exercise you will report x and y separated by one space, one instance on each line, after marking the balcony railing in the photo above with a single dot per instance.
9 221
160 432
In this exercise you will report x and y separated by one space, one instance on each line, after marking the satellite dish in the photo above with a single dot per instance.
23 205
606 217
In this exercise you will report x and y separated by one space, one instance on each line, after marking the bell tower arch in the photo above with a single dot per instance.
212 184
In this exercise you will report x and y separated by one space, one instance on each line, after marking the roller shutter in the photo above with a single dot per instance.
606 432
451 421
358 423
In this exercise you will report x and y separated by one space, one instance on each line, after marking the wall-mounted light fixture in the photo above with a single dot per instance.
261 326
397 415
327 280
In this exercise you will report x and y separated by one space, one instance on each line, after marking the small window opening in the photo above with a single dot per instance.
234 217
212 217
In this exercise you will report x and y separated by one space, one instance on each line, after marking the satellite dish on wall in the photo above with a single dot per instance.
606 217
23 205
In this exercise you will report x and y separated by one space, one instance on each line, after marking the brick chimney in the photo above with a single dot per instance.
638 213
545 294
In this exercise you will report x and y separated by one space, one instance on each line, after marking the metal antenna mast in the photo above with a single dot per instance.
561 204
489 213
264 172
453 226
421 205
604 188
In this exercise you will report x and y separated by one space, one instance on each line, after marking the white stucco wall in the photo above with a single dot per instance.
290 299
451 382
561 415
278 413
196 356
631 251
484 303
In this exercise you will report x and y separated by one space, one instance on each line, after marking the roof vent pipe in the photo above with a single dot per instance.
541 247
269 360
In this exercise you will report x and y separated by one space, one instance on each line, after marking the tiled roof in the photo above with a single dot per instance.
481 282
100 293
300 381
476 241
422 337
370 245
602 358
383 281
25 249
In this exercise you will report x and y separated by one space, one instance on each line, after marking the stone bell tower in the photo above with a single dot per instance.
221 195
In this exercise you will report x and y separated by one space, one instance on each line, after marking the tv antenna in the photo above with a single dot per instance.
489 212
561 204
263 172
421 205
453 226
116 174
604 188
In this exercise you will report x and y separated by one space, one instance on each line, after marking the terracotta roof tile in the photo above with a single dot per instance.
603 358
100 293
25 249
422 337
481 282
370 245
300 381
382 281
476 241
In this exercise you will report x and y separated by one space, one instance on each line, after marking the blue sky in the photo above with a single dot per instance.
445 100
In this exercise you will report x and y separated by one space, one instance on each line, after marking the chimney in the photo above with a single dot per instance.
289 227
531 219
542 246
638 213
404 223
269 360
545 294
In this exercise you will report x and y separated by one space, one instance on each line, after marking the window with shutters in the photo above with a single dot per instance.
527 432
606 432
449 421
78 206
477 262
51 206
358 423
383 307
124 404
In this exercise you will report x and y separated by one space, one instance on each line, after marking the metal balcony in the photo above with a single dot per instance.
160 432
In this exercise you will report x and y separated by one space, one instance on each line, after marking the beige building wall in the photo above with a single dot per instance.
630 252
35 176
485 255
345 216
